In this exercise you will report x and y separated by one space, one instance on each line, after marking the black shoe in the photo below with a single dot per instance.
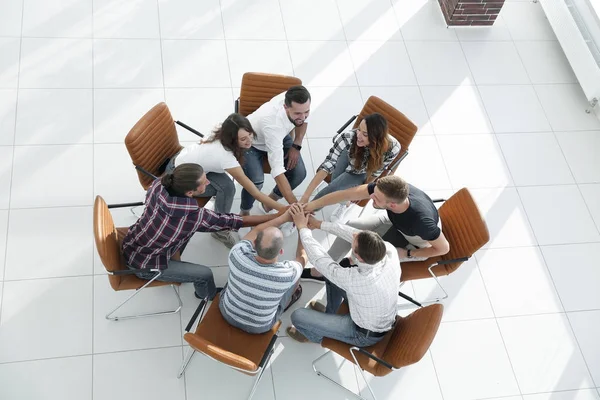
306 276
218 291
295 297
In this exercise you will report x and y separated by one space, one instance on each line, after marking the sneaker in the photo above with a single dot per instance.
307 276
317 306
294 334
340 213
287 229
229 238
295 297
261 207
219 290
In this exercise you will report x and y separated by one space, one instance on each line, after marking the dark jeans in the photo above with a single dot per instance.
253 168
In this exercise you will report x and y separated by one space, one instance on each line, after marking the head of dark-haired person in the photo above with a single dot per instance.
235 134
297 104
368 247
186 180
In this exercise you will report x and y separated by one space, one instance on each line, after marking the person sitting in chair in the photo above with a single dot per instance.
171 217
367 280
260 287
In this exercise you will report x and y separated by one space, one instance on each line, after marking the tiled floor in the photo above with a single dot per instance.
499 111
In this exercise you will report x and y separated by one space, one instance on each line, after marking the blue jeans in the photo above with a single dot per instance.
181 272
253 168
315 325
340 179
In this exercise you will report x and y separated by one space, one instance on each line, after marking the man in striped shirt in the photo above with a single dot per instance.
260 287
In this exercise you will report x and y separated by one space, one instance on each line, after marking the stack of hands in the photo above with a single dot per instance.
300 215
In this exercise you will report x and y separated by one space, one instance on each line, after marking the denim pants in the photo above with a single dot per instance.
253 168
340 179
181 272
315 325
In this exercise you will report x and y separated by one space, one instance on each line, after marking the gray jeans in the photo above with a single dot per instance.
340 179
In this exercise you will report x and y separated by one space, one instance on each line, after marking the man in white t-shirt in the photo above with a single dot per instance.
274 123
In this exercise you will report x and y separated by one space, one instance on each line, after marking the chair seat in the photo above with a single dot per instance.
227 344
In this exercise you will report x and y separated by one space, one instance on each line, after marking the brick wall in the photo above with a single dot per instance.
471 12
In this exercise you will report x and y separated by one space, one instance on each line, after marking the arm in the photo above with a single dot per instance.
301 256
285 189
356 193
274 145
254 220
238 175
316 181
342 231
439 247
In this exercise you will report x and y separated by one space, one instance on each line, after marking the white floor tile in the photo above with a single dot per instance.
422 20
189 19
439 63
183 59
514 108
495 63
57 18
258 56
424 165
267 22
586 326
127 63
382 64
456 109
61 306
3 236
527 21
325 23
143 333
54 116
11 15
584 394
202 109
407 100
565 107
56 63
544 353
545 62
60 237
535 159
8 111
294 378
580 150
471 362
115 19
6 170
467 298
61 378
474 161
552 227
497 32
518 281
573 268
112 160
591 195
73 164
9 64
125 375
323 63
116 111
330 108
505 217
372 20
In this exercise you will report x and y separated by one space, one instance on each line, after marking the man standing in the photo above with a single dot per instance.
368 281
260 287
274 122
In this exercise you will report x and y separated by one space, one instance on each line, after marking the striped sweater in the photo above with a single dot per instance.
254 290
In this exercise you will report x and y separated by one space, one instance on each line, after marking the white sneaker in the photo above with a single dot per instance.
287 229
228 238
340 213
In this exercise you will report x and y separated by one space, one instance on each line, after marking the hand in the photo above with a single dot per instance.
293 156
313 223
284 211
402 253
300 219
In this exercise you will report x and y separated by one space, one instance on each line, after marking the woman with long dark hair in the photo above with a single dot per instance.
358 156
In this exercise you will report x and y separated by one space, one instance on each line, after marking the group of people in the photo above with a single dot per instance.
362 267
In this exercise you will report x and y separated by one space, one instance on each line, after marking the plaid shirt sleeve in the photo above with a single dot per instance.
341 142
389 155
211 221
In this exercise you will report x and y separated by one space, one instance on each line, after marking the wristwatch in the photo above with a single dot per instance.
297 146
408 253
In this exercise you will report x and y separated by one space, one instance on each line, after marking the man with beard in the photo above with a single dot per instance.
274 123
411 221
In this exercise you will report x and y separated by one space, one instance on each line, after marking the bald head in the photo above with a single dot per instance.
269 243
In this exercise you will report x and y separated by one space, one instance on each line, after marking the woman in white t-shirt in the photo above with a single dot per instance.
219 155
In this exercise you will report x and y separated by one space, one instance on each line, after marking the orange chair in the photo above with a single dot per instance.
108 243
404 345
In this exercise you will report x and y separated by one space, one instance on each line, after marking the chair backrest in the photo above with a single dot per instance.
151 141
258 88
107 241
411 338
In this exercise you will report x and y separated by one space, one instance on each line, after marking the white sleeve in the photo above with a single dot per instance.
345 232
228 160
274 145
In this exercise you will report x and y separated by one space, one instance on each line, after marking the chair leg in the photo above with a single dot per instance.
137 211
188 357
322 375
115 318
357 365
258 378
429 301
